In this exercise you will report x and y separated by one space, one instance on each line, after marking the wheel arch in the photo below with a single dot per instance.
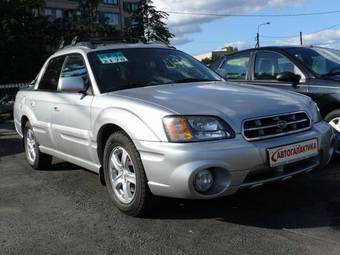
115 119
23 121
103 135
329 110
328 103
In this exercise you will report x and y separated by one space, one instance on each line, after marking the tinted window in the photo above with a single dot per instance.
50 79
235 68
131 68
269 64
322 61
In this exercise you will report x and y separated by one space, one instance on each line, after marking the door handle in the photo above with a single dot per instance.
56 108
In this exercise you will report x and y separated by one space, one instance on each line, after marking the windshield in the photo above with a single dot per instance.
322 61
140 67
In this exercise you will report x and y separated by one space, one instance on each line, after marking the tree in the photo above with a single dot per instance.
22 40
147 24
89 9
27 38
90 25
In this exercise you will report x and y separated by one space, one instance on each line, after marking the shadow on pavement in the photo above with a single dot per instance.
63 166
308 201
10 146
10 142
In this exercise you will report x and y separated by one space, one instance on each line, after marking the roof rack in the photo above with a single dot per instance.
93 42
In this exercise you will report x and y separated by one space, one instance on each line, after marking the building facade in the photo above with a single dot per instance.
117 12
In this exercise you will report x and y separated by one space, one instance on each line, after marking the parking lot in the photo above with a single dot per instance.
65 210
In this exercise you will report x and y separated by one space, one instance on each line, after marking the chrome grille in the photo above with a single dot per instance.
273 126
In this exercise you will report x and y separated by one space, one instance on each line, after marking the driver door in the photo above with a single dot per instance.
71 113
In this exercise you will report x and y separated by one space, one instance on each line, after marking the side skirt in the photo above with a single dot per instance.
77 161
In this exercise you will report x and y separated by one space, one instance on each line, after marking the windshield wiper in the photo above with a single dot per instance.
192 80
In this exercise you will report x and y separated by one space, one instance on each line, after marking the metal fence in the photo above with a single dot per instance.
7 95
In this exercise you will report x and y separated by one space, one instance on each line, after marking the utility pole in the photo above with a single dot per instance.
258 33
257 40
301 41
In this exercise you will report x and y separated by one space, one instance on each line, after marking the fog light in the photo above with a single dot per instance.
203 181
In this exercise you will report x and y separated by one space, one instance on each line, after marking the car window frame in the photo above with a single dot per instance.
44 72
287 56
233 56
44 69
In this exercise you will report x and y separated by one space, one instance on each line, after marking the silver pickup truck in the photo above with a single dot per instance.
151 120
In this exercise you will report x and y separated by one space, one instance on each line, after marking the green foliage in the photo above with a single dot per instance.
22 38
90 25
88 9
148 24
27 38
85 30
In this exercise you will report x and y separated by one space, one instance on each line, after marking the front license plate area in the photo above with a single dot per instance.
293 152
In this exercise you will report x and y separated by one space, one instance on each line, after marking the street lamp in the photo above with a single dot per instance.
258 33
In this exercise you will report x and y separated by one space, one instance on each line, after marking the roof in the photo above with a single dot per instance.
283 47
88 47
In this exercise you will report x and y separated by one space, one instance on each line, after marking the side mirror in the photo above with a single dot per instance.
71 84
290 77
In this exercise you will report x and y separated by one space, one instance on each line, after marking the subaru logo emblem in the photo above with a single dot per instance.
281 124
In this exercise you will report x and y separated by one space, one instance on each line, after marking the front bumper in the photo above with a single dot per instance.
236 163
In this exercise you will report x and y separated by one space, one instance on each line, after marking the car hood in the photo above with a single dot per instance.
233 103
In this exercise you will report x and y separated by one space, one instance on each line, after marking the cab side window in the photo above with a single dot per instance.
269 64
236 68
49 80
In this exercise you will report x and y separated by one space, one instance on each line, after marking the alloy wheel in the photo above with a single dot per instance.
122 175
31 146
335 123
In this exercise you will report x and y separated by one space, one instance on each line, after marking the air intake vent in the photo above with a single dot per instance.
274 126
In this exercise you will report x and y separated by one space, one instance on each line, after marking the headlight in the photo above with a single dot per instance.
196 128
316 113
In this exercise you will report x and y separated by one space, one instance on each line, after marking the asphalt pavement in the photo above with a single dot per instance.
65 210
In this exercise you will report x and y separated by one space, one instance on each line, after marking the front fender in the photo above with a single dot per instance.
328 102
133 125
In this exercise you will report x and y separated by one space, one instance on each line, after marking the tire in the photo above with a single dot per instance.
34 156
333 118
124 175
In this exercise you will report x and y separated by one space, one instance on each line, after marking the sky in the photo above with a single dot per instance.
198 34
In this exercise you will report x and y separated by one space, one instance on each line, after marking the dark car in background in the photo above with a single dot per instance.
313 71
